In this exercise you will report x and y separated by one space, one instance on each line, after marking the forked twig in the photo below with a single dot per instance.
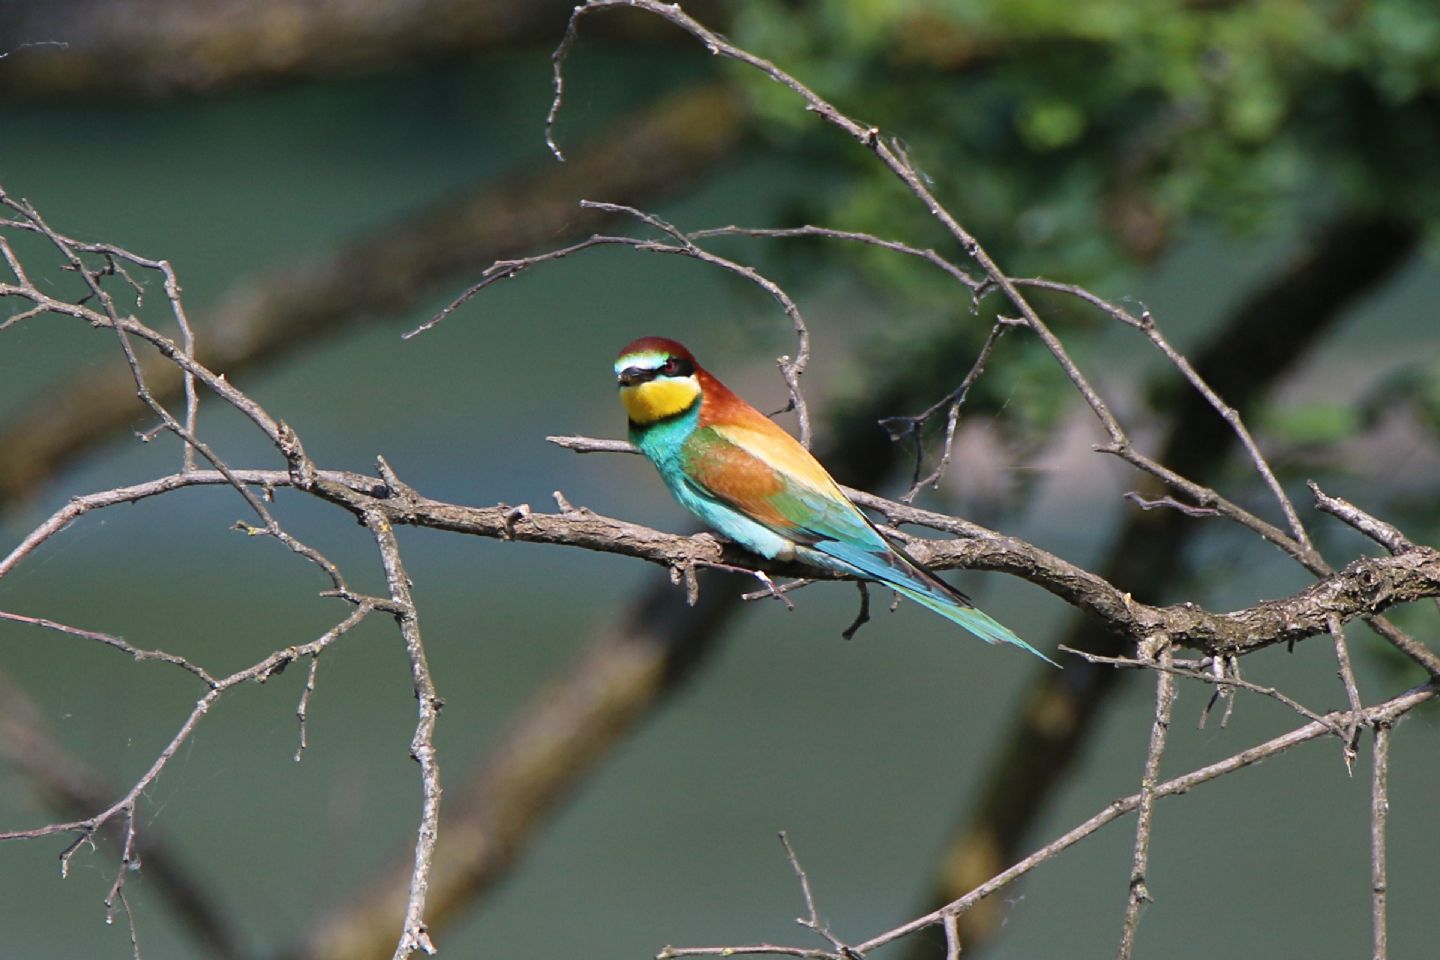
910 426
678 244
812 919
1375 716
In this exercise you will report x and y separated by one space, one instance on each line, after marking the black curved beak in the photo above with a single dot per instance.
633 375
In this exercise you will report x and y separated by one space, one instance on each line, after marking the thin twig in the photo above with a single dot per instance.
1302 548
1379 816
930 256
911 426
1220 679
415 935
951 922
1352 692
1139 891
812 919
135 653
754 949
134 930
680 244
1385 534
1382 713
790 368
1171 503
302 709
125 806
771 589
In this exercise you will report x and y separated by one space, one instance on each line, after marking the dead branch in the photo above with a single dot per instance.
663 148
1363 588
1381 714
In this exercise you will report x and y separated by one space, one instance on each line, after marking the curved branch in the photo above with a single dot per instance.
1379 716
653 152
1363 588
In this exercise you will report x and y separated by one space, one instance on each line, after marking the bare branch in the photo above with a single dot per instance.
86 827
1170 502
910 426
1239 632
1139 894
118 643
812 919
682 245
659 149
1347 678
951 922
1385 534
1380 714
930 256
68 784
415 935
1145 323
1219 677
756 949
302 709
1360 590
1379 816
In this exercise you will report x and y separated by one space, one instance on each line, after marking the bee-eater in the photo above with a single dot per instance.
731 466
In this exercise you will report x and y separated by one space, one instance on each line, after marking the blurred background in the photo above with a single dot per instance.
325 176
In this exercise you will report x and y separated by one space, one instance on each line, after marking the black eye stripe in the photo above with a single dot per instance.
672 367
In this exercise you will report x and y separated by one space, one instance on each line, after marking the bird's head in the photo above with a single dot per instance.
657 379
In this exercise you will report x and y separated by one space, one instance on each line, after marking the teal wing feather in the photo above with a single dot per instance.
835 535
766 509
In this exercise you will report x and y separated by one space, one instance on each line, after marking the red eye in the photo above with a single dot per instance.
677 367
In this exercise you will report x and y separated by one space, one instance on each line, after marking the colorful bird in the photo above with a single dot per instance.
731 466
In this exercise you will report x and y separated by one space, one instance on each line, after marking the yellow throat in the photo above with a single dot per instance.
657 399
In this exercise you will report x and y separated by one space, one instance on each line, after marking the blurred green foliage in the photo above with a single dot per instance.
1077 136
1083 140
